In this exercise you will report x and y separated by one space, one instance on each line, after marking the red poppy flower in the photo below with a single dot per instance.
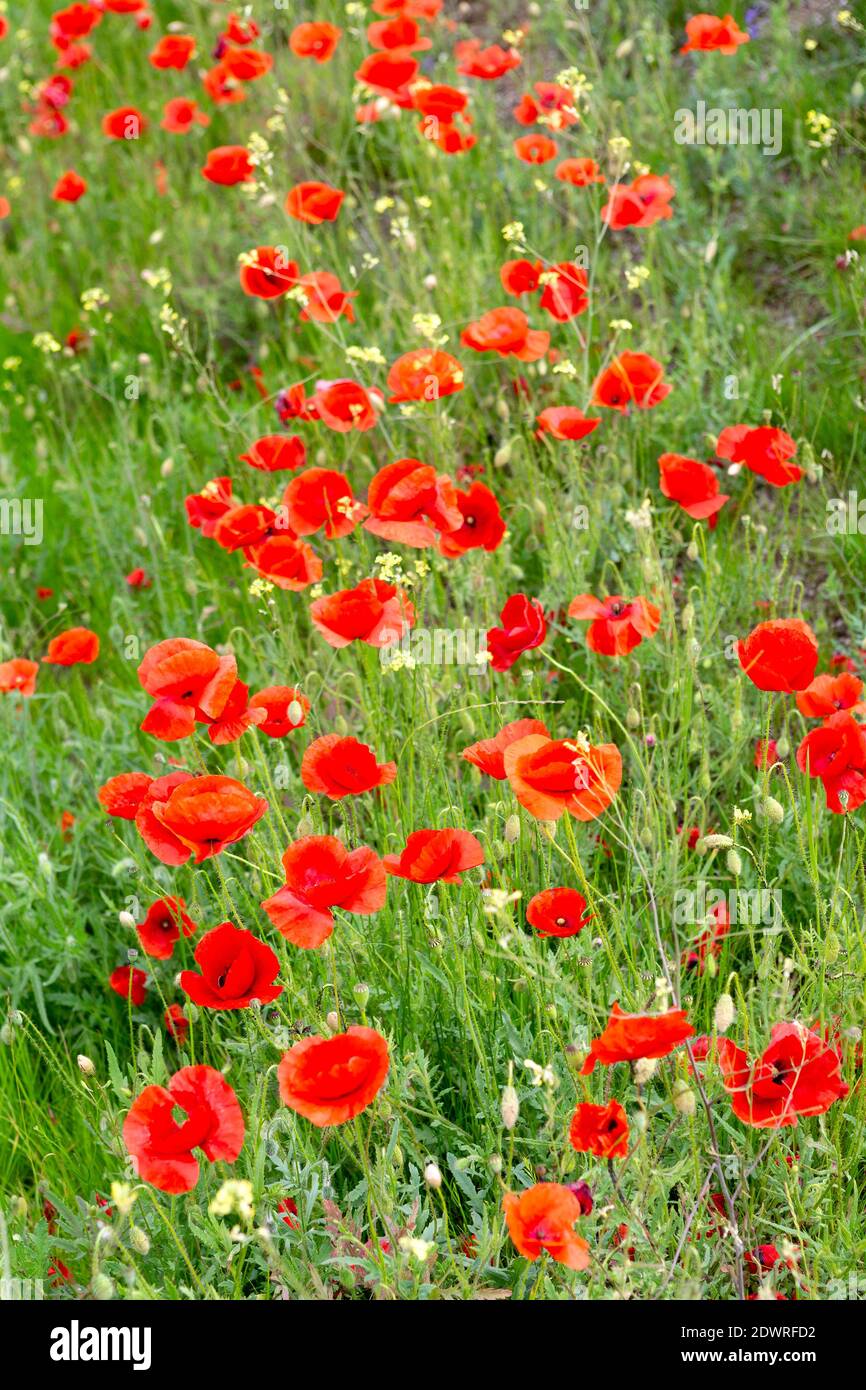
18 676
578 172
524 626
373 612
601 1130
314 202
565 291
172 51
552 102
129 983
399 32
69 187
162 1148
632 378
345 405
552 776
440 101
75 22
246 64
78 646
535 148
765 451
506 332
827 694
176 1024
199 816
285 709
121 796
558 912
542 1218
285 561
390 74
779 655
410 502
206 509
241 527
434 855
126 123
628 1037
331 1080
221 87
618 624
326 301
706 32
179 115
138 579
321 498
321 874
339 767
316 39
489 754
162 926
474 60
836 752
275 453
235 969
565 422
693 485
192 684
266 273
521 277
228 165
424 375
639 204
481 528
798 1074
288 1209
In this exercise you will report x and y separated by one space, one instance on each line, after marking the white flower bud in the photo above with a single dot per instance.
725 1013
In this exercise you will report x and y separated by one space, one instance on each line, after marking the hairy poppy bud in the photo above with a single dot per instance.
432 1176
724 1013
502 455
139 1240
734 863
772 809
494 1163
85 1065
632 718
102 1287
512 830
332 1019
295 712
715 842
126 920
644 1069
783 747
646 836
510 1107
692 551
684 1098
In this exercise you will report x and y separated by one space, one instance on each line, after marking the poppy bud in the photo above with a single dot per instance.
783 747
512 830
85 1065
102 1287
432 1176
692 551
295 712
646 837
632 718
510 1107
139 1240
643 1070
715 842
734 863
772 809
502 409
126 919
397 1157
305 826
332 1020
724 1013
494 1163
684 1098
341 726
502 455
430 282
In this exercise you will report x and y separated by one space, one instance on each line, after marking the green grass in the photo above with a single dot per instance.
743 287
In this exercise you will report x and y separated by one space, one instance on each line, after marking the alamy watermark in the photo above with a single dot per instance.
439 646
22 516
736 125
752 907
